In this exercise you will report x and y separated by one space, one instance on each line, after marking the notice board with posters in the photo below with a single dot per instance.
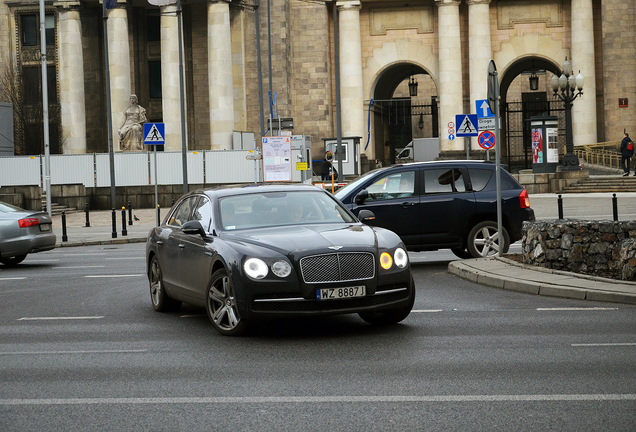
277 159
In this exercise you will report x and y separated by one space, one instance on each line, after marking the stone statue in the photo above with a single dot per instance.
131 133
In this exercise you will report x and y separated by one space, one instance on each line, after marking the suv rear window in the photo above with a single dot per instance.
479 177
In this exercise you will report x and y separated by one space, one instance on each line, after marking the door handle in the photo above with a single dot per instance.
407 204
181 245
159 243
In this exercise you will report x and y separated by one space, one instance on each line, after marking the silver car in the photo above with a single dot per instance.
23 232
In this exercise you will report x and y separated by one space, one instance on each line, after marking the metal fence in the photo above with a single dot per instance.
135 169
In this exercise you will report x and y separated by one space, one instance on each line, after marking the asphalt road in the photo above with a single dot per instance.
82 349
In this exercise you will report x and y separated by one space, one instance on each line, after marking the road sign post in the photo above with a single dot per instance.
493 102
154 135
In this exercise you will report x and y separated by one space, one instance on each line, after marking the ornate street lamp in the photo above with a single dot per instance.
412 87
568 87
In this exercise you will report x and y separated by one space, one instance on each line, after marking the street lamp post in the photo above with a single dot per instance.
568 87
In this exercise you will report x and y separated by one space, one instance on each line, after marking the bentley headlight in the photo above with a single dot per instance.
386 261
281 268
401 258
255 268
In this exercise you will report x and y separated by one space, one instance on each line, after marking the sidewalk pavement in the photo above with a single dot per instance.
496 272
510 275
100 230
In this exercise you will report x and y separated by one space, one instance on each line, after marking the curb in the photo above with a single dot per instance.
465 271
101 242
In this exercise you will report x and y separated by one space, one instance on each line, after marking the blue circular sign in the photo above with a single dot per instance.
451 137
486 140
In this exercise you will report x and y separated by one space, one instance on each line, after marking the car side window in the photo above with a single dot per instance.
479 178
444 180
183 212
395 185
203 213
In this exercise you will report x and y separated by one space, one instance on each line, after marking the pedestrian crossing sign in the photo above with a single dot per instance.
467 125
154 134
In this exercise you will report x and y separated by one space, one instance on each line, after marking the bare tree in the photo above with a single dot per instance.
28 131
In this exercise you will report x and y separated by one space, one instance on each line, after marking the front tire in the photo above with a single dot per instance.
160 300
13 261
391 316
461 253
484 240
221 305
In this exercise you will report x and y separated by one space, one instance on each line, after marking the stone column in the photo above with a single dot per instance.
450 71
584 107
351 93
71 79
220 76
480 52
171 99
119 65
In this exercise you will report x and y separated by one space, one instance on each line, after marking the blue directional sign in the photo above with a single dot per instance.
483 109
451 137
467 125
154 133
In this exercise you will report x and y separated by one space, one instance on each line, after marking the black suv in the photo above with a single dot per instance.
441 204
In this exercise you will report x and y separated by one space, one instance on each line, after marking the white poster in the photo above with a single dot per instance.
277 159
553 145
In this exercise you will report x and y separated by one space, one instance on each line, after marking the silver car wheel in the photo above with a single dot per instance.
221 305
155 283
484 240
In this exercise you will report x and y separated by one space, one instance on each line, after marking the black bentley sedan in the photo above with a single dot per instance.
262 251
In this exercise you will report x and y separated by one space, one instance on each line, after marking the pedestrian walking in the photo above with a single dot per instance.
627 151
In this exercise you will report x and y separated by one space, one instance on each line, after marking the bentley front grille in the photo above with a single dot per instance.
337 267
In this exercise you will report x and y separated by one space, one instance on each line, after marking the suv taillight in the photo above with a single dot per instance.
24 223
524 199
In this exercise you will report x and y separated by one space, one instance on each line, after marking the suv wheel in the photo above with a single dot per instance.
484 240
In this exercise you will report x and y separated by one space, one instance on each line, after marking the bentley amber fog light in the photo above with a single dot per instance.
401 258
255 268
281 268
386 261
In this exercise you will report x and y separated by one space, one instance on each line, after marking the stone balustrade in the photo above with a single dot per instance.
602 248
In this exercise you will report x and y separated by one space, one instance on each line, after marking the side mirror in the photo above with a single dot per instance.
362 195
193 227
366 216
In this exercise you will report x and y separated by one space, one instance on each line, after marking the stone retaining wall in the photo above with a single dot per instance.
602 248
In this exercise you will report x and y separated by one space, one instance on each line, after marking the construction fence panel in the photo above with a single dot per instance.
229 166
20 171
131 169
73 169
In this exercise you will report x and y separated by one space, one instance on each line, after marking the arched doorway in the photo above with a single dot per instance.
399 113
520 102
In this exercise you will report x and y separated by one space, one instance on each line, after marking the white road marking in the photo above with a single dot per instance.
74 352
41 260
13 278
604 344
86 254
114 276
79 267
577 309
59 318
192 316
426 310
323 399
126 258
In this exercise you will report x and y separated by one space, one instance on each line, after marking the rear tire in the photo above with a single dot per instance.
13 261
483 240
391 316
160 300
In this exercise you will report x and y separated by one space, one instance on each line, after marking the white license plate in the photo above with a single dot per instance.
340 293
45 227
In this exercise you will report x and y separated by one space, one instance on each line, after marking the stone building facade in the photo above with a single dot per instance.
443 45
